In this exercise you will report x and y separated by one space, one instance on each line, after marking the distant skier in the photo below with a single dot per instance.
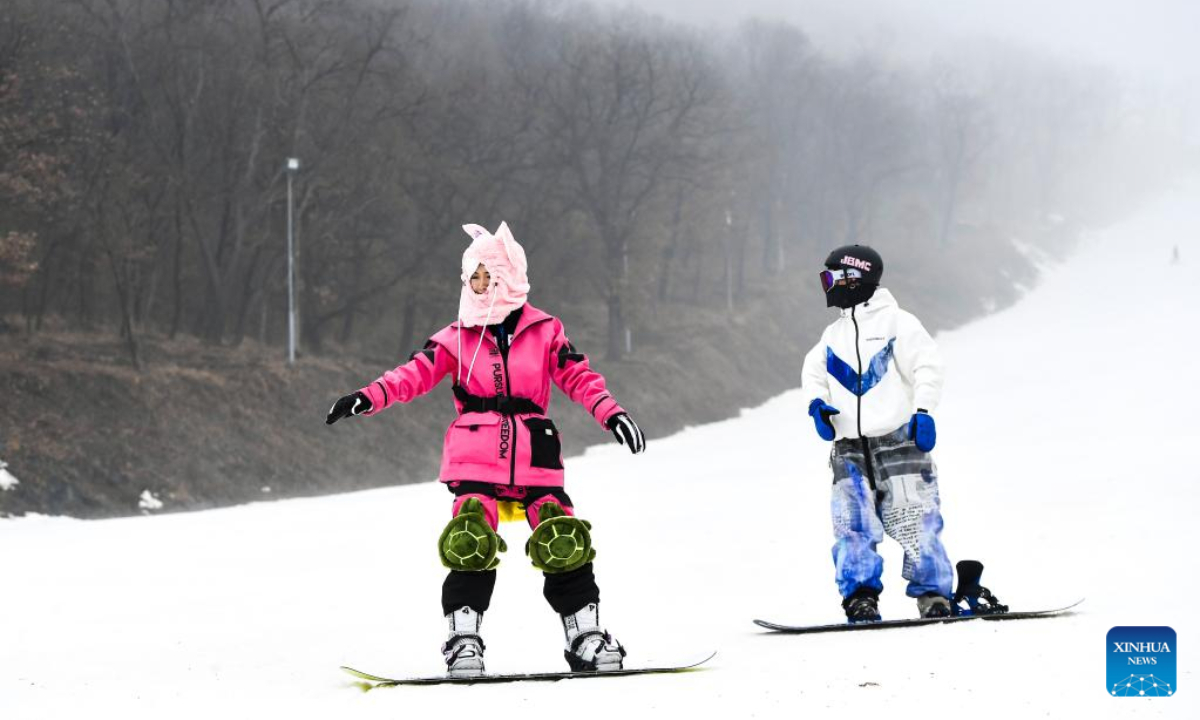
1175 255
870 384
502 456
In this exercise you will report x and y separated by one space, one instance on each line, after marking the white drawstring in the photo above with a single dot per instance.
482 331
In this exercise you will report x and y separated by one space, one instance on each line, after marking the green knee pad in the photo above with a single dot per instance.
560 543
468 542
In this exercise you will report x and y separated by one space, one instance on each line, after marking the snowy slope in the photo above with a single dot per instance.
1065 456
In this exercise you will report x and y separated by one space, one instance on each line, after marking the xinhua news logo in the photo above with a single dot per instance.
1141 662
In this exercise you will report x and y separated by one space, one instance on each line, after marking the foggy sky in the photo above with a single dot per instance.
1151 40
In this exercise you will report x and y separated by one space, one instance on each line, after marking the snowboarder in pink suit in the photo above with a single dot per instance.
502 452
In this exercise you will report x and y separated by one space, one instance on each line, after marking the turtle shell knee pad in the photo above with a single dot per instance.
468 543
560 543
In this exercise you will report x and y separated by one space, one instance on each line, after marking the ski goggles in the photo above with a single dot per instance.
830 278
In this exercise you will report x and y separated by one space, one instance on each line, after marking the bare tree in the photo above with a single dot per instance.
776 72
623 115
868 133
963 134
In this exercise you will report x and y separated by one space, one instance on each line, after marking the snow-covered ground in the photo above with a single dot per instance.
1064 452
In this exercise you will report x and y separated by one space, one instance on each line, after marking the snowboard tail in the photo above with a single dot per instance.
370 682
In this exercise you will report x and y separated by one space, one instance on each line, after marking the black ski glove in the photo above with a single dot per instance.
627 432
355 404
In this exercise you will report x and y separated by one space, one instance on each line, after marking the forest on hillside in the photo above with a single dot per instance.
647 167
676 191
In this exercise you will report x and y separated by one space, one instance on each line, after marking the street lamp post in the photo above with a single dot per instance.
293 165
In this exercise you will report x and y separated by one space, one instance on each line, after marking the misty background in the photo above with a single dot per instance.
676 172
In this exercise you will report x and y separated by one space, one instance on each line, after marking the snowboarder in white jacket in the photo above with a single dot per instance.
871 384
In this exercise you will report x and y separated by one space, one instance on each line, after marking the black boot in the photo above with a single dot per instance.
862 606
933 605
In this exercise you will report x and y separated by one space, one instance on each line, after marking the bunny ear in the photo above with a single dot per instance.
515 253
475 231
504 233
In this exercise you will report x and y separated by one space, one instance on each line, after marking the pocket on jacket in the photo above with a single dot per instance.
545 446
473 438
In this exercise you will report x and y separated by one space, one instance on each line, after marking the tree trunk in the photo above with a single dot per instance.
669 252
617 266
728 278
948 208
122 281
664 272
616 327
771 250
727 246
738 245
352 309
408 326
177 275
248 296
85 288
46 269
262 323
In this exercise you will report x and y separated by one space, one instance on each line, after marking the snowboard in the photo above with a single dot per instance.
912 622
370 682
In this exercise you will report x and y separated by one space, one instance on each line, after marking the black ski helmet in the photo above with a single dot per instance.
866 262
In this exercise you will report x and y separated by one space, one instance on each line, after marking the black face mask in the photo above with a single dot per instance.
846 296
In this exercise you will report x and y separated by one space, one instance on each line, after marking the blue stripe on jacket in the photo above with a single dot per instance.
849 379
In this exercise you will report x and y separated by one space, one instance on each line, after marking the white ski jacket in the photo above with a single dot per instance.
877 365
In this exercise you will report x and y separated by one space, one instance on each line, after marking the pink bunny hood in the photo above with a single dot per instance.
505 261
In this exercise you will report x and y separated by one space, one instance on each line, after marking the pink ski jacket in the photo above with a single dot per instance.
522 449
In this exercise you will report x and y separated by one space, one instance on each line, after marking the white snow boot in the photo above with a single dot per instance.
463 651
589 648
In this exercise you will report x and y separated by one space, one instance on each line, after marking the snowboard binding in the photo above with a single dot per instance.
980 600
560 543
590 648
468 543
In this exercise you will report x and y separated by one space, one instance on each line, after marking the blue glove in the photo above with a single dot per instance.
821 414
922 431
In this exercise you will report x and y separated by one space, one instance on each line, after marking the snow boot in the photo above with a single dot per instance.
932 605
463 651
589 648
862 606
